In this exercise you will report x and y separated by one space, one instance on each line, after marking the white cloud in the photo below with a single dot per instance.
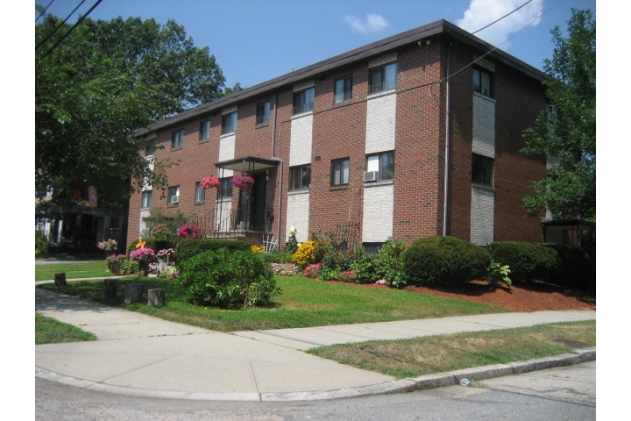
373 23
482 12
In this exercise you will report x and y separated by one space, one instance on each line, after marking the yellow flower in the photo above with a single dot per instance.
141 243
256 249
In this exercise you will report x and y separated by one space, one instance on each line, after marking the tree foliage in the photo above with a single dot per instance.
567 131
105 80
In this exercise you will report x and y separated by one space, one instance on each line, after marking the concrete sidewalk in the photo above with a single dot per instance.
140 355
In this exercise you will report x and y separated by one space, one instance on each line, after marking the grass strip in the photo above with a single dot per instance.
51 331
303 303
443 353
73 270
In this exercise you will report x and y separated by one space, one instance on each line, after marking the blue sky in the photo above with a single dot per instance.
254 40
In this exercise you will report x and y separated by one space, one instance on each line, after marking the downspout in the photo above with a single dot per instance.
447 145
280 193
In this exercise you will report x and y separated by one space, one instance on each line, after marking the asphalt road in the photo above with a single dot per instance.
566 393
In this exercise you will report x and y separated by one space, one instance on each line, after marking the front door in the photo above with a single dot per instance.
257 202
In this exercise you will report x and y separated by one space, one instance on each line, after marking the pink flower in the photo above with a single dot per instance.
242 181
210 182
189 231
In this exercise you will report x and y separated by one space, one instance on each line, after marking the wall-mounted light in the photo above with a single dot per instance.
423 42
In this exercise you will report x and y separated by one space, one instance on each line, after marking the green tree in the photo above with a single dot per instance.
93 90
567 130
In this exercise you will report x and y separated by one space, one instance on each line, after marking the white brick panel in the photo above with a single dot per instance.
226 147
482 215
378 213
301 138
483 125
298 216
381 114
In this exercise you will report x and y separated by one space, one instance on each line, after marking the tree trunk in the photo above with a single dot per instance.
60 279
133 292
109 288
156 297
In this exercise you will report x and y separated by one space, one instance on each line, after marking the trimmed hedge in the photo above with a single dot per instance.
190 247
527 261
444 260
577 268
228 278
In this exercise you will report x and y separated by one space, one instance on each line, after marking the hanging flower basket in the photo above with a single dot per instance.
210 182
242 181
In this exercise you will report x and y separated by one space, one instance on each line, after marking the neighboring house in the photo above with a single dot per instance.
413 136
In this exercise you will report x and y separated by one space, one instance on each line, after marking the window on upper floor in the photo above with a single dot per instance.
380 167
340 170
204 130
225 189
174 195
200 193
262 113
177 138
383 78
482 170
300 177
482 82
229 123
303 101
151 148
146 199
343 89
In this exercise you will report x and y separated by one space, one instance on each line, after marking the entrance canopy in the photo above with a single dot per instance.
249 163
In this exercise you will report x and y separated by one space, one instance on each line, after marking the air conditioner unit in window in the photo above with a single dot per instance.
371 175
174 199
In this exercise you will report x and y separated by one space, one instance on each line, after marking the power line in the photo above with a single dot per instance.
58 26
494 22
71 29
44 11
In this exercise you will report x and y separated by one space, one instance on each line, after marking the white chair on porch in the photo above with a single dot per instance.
269 243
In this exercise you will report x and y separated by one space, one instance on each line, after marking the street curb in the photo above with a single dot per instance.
430 381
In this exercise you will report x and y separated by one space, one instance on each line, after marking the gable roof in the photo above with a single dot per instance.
438 28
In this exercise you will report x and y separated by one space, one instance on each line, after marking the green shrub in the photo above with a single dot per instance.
228 279
527 261
41 243
386 264
190 247
444 261
577 268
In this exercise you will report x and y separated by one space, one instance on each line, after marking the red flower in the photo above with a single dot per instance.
209 182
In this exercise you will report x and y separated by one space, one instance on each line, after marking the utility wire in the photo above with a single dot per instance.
71 29
499 45
58 26
44 11
508 14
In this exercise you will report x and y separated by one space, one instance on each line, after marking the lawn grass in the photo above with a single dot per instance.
44 272
303 303
443 353
51 331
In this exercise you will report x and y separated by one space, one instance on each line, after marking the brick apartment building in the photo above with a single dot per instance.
413 136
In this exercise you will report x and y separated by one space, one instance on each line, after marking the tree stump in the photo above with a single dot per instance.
133 292
109 288
60 279
156 297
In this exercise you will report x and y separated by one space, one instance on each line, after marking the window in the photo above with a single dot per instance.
303 101
343 89
146 199
151 148
174 195
229 123
383 164
177 138
482 170
300 177
225 189
200 193
482 82
339 171
262 113
204 130
383 78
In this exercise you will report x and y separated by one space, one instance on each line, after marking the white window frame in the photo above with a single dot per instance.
173 191
177 138
387 76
